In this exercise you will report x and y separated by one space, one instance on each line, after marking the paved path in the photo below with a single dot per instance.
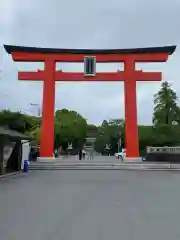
90 205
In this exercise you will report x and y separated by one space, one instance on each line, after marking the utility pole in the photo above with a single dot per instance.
119 144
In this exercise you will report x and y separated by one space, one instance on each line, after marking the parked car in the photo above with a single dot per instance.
121 155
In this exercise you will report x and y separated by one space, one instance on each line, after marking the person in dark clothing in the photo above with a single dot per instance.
83 154
80 154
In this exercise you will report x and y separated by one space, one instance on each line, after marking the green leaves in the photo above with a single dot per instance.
109 133
166 110
18 121
70 127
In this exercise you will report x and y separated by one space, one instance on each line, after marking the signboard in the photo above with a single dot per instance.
165 150
90 66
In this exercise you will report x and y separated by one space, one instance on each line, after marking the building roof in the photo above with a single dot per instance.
4 131
91 133
166 49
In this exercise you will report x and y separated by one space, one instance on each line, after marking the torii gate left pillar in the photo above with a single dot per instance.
49 75
47 128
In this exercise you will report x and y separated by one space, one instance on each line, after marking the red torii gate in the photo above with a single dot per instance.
49 75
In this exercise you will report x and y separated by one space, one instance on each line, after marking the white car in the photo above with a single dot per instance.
121 155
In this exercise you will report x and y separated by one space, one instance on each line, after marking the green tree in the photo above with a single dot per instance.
146 138
166 110
109 133
91 130
18 121
103 137
35 132
158 136
70 127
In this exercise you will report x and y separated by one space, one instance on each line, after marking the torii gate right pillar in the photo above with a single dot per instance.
131 76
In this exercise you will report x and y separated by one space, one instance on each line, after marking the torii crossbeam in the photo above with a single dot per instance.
50 75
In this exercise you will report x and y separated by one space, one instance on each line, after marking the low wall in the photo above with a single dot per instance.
163 154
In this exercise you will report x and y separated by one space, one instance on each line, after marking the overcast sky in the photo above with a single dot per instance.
88 24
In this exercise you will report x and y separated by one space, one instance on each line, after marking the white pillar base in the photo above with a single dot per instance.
133 160
46 159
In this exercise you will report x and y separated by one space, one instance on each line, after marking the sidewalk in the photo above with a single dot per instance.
7 175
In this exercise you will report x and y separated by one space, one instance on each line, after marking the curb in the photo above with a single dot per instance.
101 168
9 175
108 169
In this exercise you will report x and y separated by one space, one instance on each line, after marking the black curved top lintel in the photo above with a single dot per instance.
166 49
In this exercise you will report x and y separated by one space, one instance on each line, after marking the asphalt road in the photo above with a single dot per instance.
90 205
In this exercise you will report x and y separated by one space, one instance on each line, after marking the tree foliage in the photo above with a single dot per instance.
166 110
35 132
18 121
109 133
70 127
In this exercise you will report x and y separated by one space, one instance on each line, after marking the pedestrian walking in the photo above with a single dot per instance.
91 154
80 154
83 154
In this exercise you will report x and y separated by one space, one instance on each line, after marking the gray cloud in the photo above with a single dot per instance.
88 24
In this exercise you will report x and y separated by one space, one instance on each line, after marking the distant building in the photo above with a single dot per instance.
90 140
